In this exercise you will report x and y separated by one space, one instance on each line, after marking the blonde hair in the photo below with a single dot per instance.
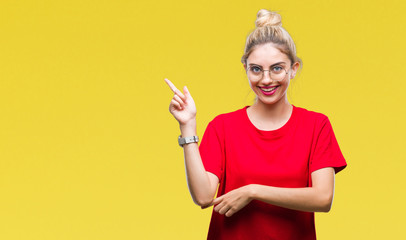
269 30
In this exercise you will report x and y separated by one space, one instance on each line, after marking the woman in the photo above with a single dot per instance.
273 163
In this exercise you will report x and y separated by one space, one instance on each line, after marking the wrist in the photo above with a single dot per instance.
252 191
188 129
188 123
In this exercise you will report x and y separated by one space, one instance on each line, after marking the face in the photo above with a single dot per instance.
269 58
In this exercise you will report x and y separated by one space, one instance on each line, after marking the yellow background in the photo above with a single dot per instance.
88 149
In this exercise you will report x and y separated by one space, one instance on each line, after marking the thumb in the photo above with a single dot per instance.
186 91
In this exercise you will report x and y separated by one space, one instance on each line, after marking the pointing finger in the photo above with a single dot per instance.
175 90
171 86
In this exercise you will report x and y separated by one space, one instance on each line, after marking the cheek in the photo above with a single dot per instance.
285 82
285 85
252 83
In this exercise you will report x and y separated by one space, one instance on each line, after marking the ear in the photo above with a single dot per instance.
245 66
295 67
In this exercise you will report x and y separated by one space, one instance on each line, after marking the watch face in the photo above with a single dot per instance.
181 141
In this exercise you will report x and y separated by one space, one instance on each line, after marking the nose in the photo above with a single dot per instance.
266 79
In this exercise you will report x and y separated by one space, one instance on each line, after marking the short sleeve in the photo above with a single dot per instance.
326 152
212 148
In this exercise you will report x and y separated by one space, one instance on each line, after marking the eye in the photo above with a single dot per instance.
277 69
256 69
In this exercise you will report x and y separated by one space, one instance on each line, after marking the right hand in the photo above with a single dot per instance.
182 106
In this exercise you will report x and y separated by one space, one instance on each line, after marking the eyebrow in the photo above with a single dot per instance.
278 63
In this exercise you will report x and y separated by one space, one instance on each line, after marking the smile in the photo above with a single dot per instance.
268 90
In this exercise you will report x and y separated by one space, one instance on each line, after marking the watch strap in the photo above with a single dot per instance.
182 141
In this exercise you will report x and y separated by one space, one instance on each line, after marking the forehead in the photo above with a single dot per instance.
266 55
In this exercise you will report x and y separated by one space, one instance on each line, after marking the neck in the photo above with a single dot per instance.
277 111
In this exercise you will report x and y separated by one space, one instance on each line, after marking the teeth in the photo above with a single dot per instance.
268 89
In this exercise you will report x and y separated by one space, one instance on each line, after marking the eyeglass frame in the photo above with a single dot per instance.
269 70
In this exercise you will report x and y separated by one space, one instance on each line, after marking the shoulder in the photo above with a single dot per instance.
222 123
229 117
311 117
229 120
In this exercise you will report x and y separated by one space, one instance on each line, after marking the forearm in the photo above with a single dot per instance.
309 199
200 187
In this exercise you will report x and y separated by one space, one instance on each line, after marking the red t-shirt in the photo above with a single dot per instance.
240 154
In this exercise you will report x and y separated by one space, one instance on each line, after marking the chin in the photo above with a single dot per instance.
270 101
267 101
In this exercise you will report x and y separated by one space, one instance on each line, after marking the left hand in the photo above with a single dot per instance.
232 201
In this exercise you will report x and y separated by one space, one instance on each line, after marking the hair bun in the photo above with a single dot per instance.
268 18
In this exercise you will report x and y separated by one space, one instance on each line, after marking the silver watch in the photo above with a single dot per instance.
182 141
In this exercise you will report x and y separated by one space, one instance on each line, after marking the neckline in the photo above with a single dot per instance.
272 133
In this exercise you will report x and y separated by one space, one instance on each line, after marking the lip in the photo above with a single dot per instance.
268 93
267 87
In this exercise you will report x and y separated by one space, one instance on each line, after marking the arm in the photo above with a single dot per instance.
317 198
202 185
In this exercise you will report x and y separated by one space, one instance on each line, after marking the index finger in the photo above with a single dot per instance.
171 86
175 90
213 202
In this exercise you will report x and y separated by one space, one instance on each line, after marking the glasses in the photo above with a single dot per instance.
276 73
